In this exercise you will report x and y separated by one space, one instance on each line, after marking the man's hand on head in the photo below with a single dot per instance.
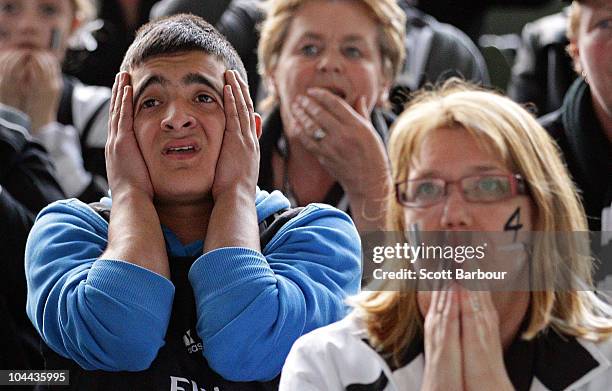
134 230
233 222
125 165
238 165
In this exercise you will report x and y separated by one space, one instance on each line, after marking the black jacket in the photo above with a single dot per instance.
469 15
586 150
542 71
99 67
26 186
211 11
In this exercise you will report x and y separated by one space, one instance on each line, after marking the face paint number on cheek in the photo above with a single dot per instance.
514 223
55 41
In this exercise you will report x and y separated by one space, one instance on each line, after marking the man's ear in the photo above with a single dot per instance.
258 125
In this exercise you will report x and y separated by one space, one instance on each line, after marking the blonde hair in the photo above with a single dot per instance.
393 318
390 19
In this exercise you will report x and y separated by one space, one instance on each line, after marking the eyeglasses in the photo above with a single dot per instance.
421 193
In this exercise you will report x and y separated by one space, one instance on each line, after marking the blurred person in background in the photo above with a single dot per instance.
435 51
26 186
543 70
113 32
583 125
68 118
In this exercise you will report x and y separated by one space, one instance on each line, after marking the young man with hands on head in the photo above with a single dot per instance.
179 290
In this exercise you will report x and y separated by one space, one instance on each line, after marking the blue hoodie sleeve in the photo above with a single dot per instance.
252 308
104 314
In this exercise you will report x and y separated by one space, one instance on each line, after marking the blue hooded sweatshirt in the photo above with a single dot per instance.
112 315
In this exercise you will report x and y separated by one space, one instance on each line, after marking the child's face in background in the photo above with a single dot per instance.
36 25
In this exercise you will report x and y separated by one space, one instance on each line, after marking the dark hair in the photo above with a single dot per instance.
180 33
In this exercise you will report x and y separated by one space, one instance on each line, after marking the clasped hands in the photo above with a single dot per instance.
463 348
31 81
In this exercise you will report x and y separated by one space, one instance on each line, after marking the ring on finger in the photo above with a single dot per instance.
319 134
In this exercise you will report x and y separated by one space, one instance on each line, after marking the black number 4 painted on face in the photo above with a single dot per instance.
514 223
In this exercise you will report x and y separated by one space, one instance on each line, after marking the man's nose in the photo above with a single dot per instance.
457 212
177 118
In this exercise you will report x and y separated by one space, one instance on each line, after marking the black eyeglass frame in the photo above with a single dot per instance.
518 186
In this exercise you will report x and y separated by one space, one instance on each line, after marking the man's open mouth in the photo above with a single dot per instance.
181 150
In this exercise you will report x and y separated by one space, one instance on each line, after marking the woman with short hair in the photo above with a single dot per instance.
328 77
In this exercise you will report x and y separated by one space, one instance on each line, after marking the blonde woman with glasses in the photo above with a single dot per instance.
468 160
